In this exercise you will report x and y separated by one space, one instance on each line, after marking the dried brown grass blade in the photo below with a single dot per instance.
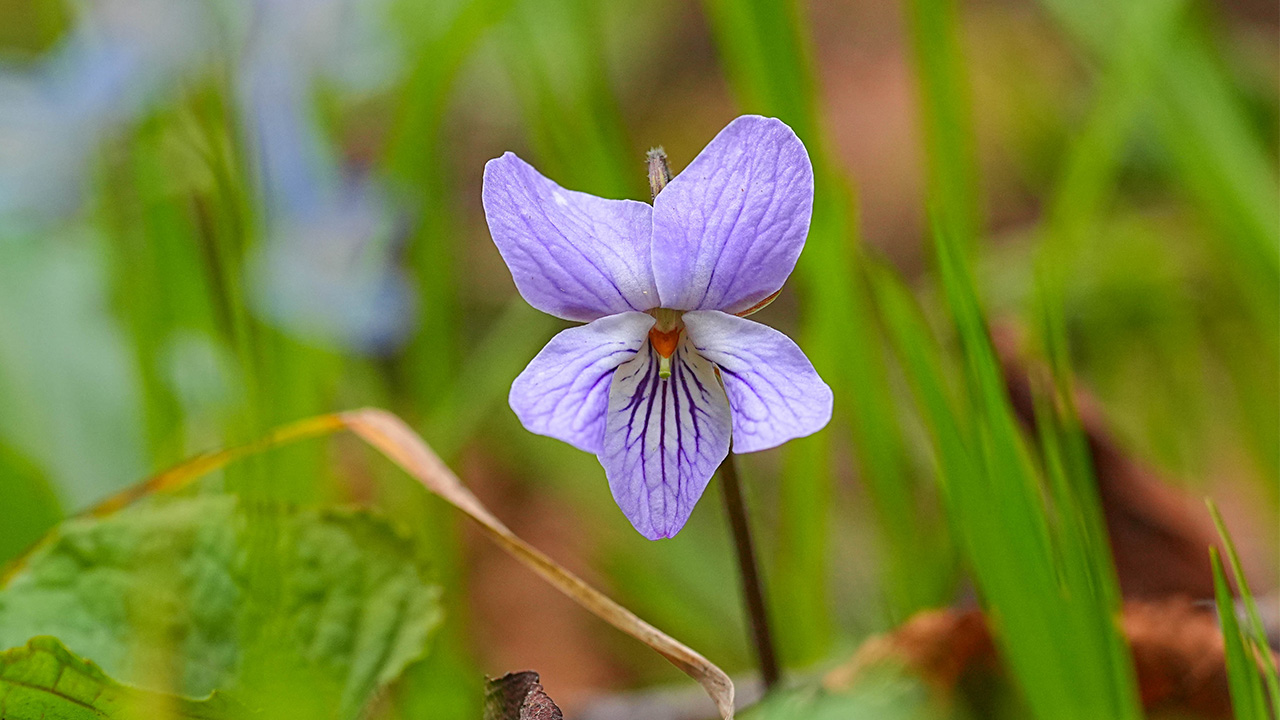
394 439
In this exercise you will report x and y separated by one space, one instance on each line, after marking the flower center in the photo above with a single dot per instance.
664 336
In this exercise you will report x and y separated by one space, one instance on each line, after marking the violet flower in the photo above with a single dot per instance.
119 58
666 370
327 270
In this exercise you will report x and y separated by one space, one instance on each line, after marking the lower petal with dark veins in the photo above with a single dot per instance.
664 438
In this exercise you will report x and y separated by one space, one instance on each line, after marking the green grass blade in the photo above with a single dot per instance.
1048 580
416 157
1257 635
1038 578
1217 155
927 376
512 340
767 56
1077 501
945 114
1242 670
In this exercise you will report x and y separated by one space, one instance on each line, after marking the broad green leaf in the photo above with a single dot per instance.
42 680
161 596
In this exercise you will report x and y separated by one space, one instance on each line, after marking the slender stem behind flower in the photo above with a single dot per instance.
752 586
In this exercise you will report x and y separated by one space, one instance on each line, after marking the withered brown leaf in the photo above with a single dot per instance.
519 696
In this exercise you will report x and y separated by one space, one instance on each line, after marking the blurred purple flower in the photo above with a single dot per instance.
666 368
327 268
329 275
121 55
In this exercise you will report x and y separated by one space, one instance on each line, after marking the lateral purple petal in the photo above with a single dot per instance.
664 438
775 393
728 229
572 255
564 392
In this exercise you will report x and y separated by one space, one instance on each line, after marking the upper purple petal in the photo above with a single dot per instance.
775 393
728 230
564 391
572 255
664 438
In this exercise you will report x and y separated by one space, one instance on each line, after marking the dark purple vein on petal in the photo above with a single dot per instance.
662 444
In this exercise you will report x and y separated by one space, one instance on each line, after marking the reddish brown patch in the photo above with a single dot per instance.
664 341
1177 648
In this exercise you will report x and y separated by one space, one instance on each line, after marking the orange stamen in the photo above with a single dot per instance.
664 341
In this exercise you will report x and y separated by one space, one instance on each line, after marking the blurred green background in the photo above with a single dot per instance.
222 215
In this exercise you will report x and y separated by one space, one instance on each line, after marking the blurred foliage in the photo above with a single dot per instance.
1101 176
160 597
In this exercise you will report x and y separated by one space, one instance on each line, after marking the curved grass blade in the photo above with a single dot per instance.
393 438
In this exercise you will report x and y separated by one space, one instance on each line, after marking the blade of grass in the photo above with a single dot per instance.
1052 618
1242 671
1045 583
417 157
1217 155
1257 635
1048 584
1085 547
927 376
943 89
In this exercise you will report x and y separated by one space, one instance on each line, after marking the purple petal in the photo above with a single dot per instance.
572 255
664 439
728 230
775 393
564 391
